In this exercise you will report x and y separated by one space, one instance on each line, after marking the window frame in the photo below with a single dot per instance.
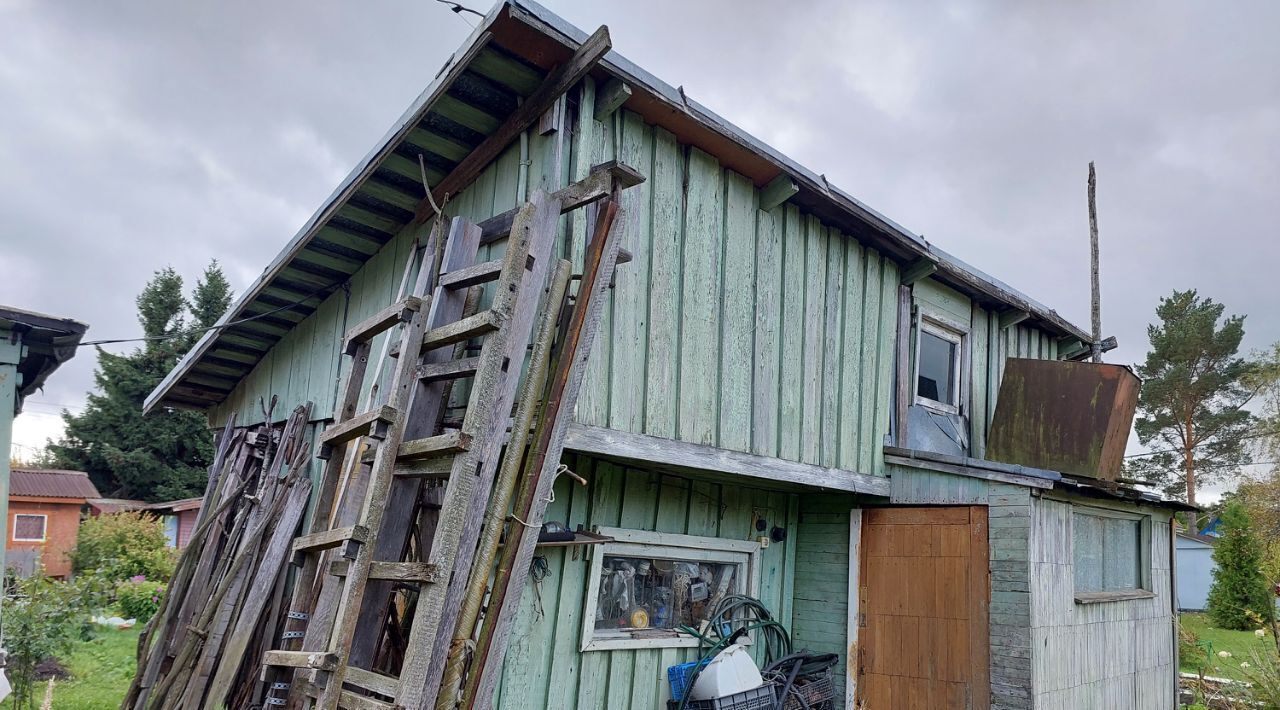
642 543
956 334
1144 589
44 527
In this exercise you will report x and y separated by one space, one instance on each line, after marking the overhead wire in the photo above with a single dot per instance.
218 326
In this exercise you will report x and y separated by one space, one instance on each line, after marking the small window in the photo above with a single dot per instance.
1109 554
645 586
939 358
29 528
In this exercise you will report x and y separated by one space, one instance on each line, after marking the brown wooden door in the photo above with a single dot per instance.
922 609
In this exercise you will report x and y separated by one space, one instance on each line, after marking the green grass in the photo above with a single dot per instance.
101 670
1239 644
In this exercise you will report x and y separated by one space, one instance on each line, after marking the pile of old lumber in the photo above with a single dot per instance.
224 605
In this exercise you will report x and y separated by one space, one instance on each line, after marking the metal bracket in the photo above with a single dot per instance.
299 615
292 635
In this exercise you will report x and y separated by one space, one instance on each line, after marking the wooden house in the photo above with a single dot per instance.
787 386
177 516
32 346
45 507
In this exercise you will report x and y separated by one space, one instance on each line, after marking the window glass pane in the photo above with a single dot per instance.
936 376
1087 549
28 527
1121 545
653 593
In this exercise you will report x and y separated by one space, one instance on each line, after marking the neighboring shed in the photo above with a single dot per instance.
1195 570
45 507
32 346
179 517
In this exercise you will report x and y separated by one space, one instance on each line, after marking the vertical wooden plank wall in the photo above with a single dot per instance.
821 596
1116 654
750 330
547 669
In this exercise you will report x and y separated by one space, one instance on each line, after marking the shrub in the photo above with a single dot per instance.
123 545
41 619
139 599
1240 595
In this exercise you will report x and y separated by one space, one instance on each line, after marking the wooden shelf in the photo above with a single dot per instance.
580 537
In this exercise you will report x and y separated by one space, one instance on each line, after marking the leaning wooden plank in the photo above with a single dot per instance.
528 258
270 568
544 457
351 701
557 82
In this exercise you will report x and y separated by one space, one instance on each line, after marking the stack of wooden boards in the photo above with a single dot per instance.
224 605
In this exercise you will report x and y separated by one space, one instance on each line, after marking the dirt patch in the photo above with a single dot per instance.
51 668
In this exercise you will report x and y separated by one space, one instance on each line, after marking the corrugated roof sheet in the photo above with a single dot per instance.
51 483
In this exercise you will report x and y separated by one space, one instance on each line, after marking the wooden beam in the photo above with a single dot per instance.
1070 348
972 468
779 190
668 452
557 82
610 98
918 269
1008 319
600 183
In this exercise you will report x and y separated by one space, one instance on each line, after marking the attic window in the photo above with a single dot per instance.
938 365
29 528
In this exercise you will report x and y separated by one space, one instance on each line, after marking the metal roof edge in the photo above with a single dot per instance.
353 179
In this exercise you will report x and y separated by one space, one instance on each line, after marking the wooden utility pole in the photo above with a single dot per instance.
1096 305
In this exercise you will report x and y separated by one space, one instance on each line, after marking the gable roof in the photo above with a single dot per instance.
502 62
51 483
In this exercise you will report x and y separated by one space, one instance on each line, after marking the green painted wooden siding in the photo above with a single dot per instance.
546 668
821 606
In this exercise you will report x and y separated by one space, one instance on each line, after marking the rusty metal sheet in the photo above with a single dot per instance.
1072 417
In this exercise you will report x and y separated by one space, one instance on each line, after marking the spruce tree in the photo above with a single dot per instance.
1240 597
163 455
1191 405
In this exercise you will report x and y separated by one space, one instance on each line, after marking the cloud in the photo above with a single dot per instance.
137 135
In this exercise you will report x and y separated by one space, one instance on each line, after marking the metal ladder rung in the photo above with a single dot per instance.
451 370
319 660
371 424
383 320
446 444
329 539
482 323
421 572
473 275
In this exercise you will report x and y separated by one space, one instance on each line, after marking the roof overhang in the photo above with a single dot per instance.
503 61
49 342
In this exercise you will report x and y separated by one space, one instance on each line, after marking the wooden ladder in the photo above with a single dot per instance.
423 364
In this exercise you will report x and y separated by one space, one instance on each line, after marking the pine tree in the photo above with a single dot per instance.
163 455
1240 597
1191 406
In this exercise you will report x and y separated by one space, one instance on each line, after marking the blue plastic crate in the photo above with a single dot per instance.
679 676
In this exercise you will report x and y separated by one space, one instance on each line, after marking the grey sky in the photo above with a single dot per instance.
137 135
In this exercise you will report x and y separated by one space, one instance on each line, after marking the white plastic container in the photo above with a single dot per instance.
731 671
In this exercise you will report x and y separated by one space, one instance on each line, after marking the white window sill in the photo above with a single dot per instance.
1118 596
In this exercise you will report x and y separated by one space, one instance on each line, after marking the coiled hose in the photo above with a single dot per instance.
742 614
